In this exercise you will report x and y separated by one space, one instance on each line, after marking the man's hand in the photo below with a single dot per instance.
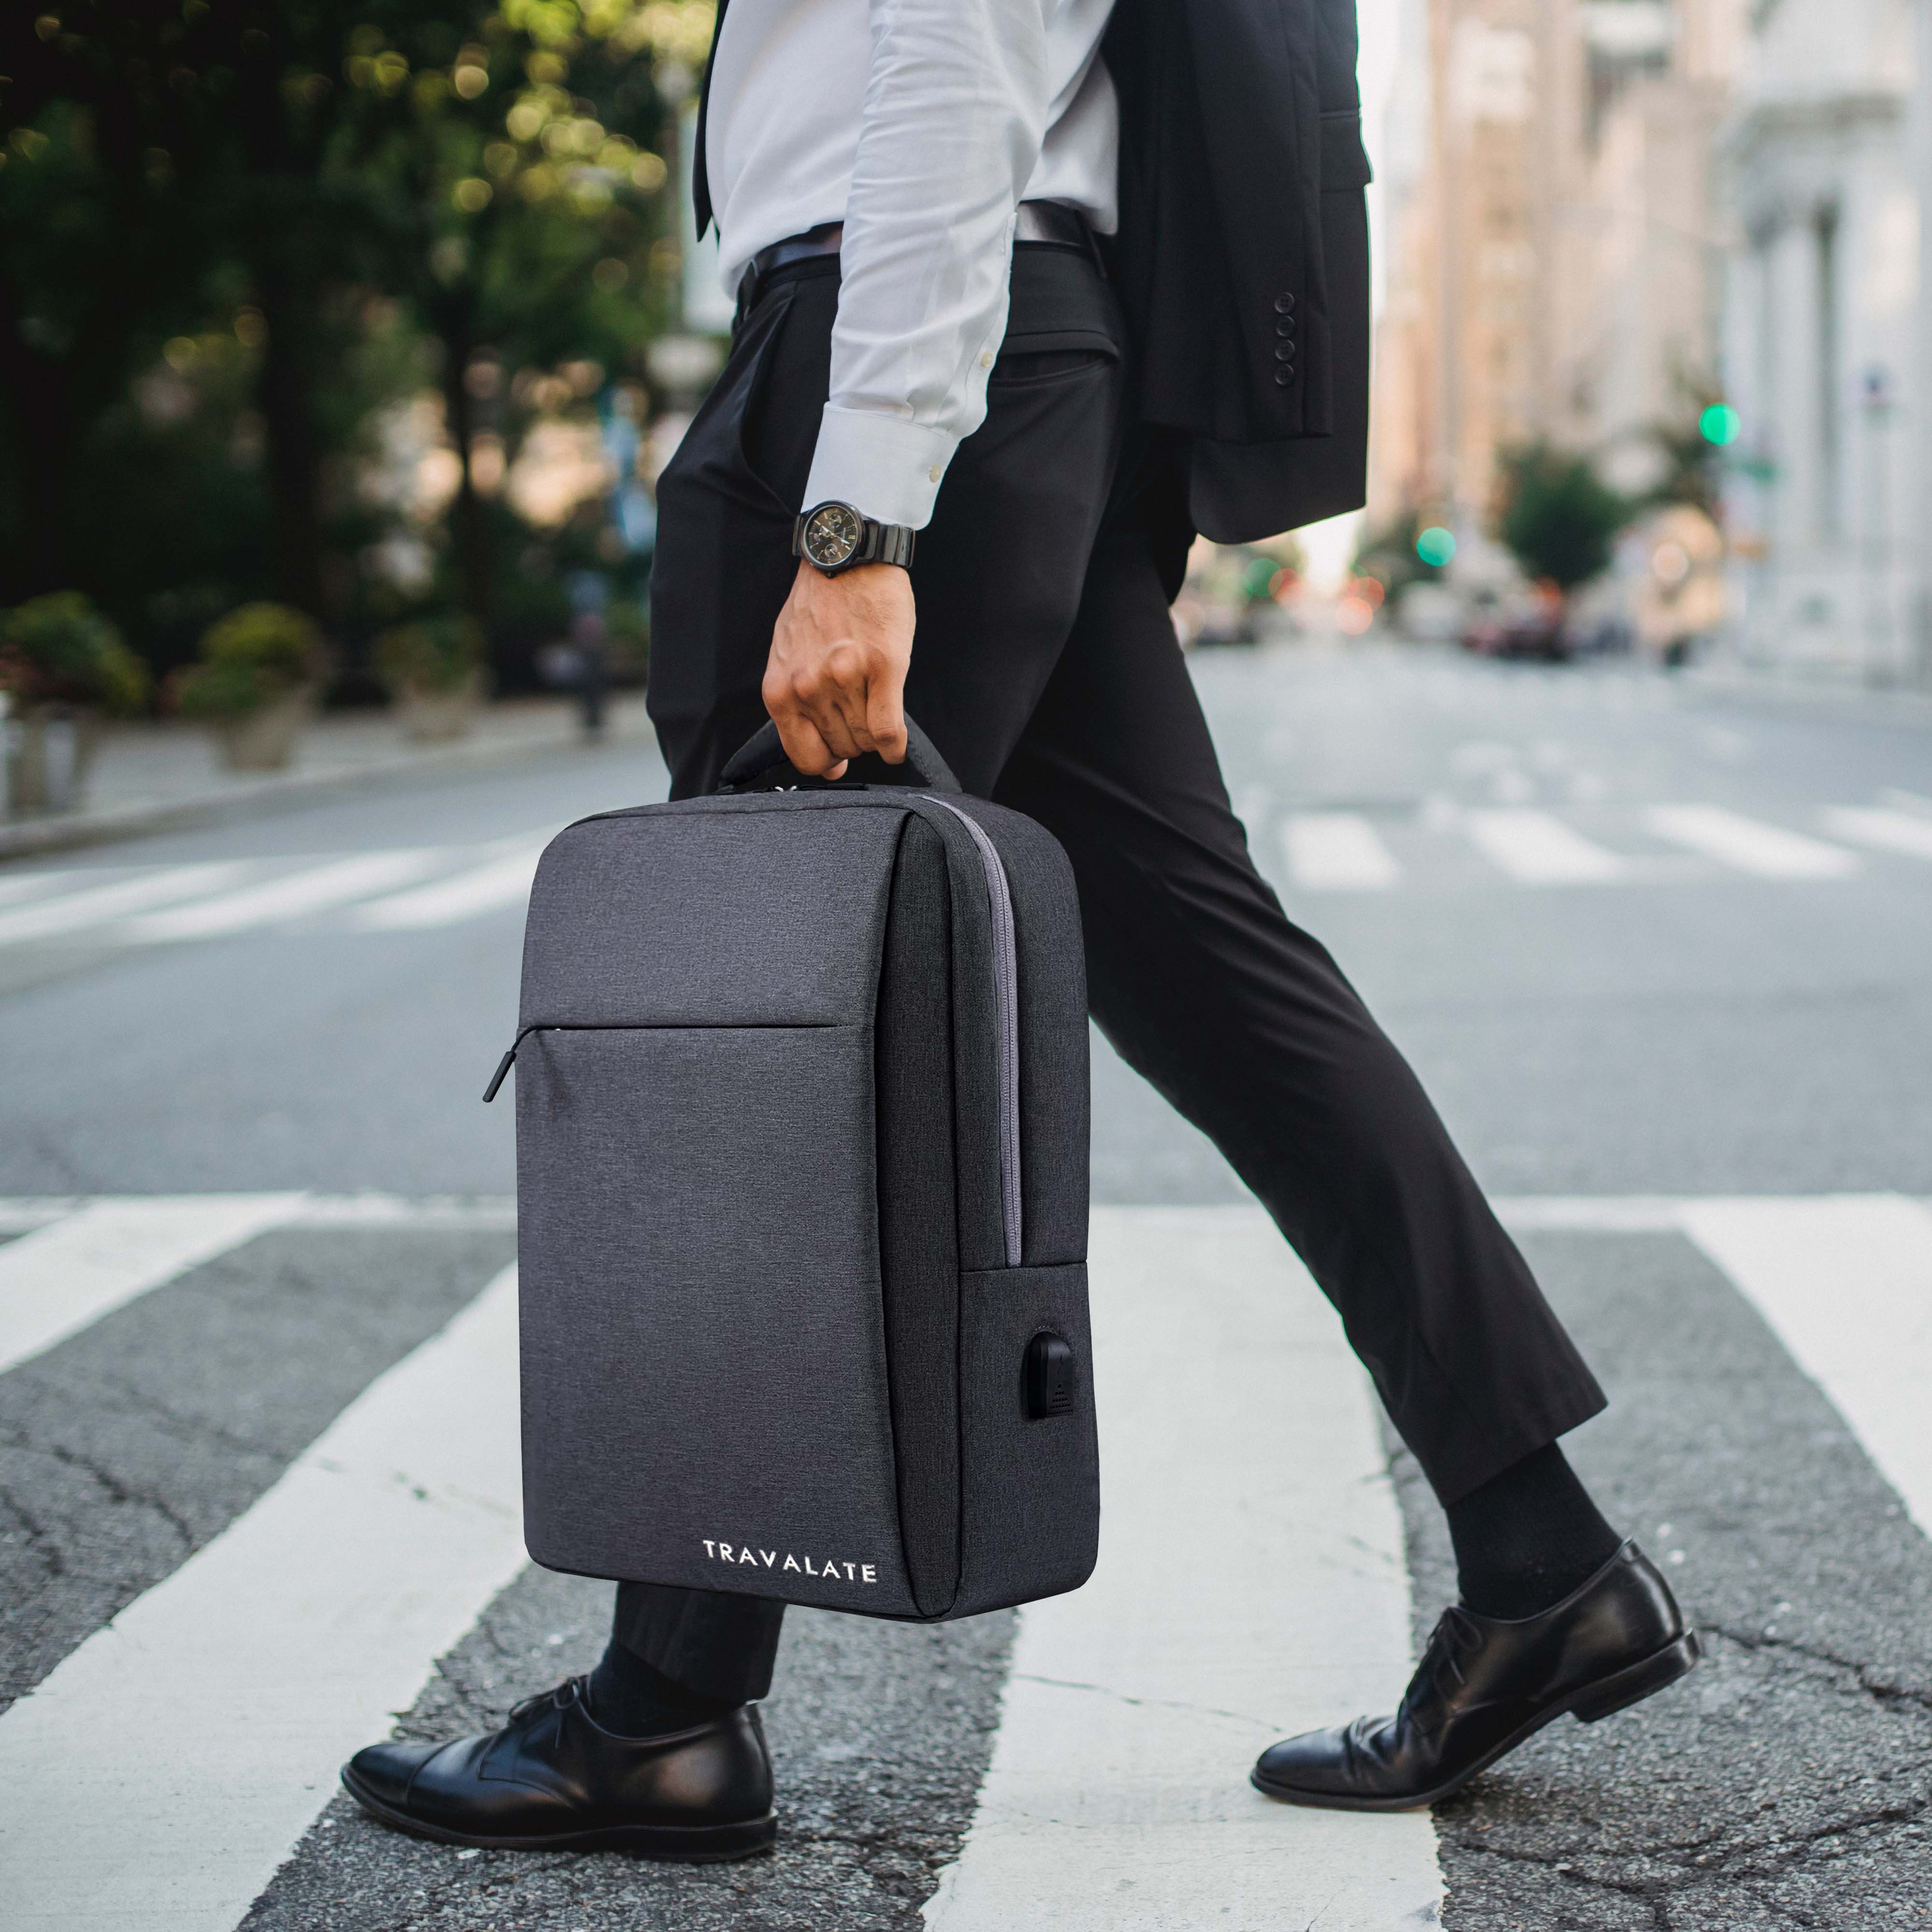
835 682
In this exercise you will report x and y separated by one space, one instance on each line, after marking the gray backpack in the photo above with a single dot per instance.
801 1169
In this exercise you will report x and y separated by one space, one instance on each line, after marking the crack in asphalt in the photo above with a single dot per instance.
41 1540
116 1488
136 1402
1886 1694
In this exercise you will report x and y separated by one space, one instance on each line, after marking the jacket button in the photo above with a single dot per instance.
1283 377
1284 351
1285 326
1284 305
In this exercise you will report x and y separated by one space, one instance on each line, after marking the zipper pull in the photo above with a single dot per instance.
503 1066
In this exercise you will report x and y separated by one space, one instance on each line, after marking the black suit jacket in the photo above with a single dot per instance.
1242 256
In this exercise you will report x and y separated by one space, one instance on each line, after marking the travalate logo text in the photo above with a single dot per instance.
775 1559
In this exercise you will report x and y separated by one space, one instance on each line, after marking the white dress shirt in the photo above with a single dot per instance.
921 124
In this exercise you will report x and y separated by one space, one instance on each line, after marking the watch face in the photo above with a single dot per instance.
832 533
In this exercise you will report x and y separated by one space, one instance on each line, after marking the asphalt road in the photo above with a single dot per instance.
1640 940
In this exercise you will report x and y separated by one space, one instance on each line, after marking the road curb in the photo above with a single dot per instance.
32 837
1899 705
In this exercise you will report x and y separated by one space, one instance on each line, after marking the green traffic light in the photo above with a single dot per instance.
1719 424
1435 546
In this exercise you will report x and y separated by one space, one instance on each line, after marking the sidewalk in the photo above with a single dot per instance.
1798 687
150 778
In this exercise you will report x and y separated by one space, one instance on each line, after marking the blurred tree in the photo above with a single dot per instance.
267 180
527 190
97 264
1691 461
1558 518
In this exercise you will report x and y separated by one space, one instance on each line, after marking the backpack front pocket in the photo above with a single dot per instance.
705 1399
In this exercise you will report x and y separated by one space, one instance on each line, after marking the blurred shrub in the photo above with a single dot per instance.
59 650
437 653
1559 518
253 657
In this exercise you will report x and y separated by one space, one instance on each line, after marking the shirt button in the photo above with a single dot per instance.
986 359
1284 303
933 474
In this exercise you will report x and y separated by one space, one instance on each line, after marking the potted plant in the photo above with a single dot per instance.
256 684
63 665
434 669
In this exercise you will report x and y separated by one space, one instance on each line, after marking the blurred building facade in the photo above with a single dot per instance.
1555 254
1601 215
1823 317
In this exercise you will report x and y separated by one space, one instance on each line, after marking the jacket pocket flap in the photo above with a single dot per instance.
1345 161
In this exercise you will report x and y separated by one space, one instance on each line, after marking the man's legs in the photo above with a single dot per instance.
1241 1020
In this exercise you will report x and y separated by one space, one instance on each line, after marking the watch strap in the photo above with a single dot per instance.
889 543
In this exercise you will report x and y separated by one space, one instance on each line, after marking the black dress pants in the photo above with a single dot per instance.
1046 670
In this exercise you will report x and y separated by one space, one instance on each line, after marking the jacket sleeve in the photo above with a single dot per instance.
1238 118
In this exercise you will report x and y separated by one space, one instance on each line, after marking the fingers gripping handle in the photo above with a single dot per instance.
762 754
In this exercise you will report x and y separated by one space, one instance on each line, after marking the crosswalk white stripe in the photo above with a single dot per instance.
316 888
1540 850
156 1779
21 1214
1890 831
489 888
60 1279
1337 852
1590 1213
1768 850
1252 1583
73 912
1846 1283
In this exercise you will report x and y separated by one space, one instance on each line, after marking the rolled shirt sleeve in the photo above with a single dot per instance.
955 110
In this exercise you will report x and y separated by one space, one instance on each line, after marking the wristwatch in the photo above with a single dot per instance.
834 536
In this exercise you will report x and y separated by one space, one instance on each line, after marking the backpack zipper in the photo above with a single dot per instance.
1006 1003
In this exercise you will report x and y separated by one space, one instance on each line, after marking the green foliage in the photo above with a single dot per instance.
59 650
231 236
216 692
1559 519
253 657
438 653
270 637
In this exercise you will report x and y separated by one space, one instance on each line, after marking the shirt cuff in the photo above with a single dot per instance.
887 468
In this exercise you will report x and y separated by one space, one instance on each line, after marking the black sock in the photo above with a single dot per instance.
1528 1537
629 1697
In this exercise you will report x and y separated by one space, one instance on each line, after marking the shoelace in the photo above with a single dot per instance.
1453 1629
571 1690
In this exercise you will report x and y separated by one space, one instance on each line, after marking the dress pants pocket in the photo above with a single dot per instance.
715 455
724 565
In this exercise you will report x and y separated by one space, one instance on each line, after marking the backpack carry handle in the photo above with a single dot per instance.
762 752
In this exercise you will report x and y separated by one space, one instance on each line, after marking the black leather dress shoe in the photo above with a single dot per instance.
1484 1684
552 1780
